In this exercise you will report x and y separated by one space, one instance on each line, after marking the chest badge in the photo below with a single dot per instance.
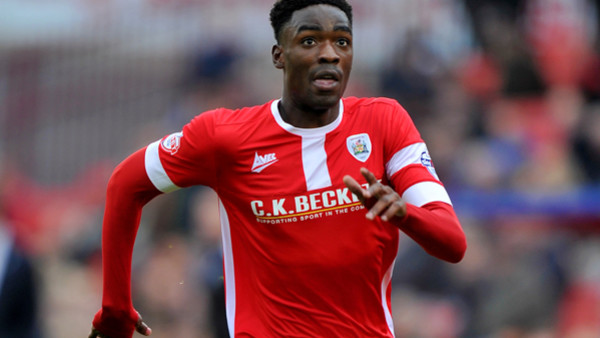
359 146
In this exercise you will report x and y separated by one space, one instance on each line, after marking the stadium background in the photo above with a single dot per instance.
505 94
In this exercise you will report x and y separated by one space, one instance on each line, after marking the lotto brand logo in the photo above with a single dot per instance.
261 162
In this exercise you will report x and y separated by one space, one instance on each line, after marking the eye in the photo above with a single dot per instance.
343 42
309 41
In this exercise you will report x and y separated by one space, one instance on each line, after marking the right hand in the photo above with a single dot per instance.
379 199
141 327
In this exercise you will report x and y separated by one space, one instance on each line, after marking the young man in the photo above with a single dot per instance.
314 191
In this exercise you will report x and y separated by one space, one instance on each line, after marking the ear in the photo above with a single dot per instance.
277 56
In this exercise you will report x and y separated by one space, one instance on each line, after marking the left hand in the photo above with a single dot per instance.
140 326
380 200
96 334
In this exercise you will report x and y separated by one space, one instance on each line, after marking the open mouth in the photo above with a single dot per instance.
326 80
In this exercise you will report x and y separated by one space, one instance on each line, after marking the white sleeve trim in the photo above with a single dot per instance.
426 192
155 170
405 157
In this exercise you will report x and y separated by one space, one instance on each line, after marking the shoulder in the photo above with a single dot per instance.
374 106
370 101
226 116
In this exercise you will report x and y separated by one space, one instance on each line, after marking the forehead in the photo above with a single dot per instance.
325 17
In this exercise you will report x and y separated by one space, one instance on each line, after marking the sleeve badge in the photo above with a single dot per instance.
171 143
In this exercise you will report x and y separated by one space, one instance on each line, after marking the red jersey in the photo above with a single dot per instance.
300 258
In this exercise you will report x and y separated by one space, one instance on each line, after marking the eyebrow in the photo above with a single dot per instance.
308 28
342 28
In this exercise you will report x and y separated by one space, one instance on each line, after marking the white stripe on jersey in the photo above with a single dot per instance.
426 192
229 270
314 156
314 161
420 193
405 157
155 170
384 301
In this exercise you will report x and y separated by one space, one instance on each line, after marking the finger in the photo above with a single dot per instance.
374 186
382 204
143 328
379 190
369 176
396 209
354 187
95 333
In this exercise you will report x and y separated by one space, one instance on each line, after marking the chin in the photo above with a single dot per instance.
325 101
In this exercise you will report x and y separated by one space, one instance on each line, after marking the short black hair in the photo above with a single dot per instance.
283 10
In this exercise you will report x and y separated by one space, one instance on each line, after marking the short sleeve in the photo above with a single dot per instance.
185 158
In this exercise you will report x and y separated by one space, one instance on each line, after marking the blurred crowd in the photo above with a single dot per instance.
506 93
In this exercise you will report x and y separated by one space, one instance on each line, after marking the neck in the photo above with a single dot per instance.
307 117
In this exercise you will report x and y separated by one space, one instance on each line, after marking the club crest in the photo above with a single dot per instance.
172 143
359 146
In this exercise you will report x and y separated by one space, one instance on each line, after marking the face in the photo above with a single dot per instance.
315 53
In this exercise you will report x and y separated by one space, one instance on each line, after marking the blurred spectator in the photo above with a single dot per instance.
587 143
18 282
410 77
590 81
483 13
579 311
561 34
525 282
18 291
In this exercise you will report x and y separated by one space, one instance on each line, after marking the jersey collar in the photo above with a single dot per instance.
306 131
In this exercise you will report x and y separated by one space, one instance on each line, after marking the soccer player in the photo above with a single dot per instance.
315 191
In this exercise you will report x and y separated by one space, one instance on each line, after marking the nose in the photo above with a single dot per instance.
328 53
